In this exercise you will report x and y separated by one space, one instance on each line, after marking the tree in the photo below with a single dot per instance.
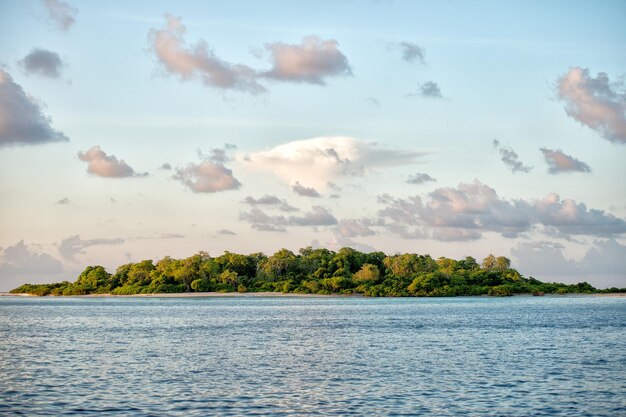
367 274
489 262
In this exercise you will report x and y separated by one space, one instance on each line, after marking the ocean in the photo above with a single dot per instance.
513 356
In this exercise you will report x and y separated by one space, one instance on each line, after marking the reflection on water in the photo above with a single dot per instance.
516 356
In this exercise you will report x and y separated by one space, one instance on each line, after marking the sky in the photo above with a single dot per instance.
138 130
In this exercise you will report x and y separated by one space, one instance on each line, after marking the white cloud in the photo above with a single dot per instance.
318 161
595 102
199 60
558 162
21 120
103 165
60 13
356 227
311 62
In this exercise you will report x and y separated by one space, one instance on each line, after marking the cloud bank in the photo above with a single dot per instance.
21 120
595 102
107 166
20 264
466 212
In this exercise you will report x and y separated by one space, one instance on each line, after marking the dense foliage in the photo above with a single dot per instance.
311 271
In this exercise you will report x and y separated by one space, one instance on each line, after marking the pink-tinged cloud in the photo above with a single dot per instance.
103 165
60 13
559 162
21 120
207 177
465 212
595 102
311 62
199 60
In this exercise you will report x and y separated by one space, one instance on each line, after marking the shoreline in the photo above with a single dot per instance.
272 294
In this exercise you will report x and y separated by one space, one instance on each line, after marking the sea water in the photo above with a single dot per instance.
516 356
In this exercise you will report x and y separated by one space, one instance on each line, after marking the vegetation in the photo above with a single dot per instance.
312 271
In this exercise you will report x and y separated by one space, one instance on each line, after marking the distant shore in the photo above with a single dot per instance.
268 294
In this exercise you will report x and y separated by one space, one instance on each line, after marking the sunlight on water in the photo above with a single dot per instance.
515 356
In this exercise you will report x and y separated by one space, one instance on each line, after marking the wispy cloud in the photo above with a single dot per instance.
510 158
60 13
412 52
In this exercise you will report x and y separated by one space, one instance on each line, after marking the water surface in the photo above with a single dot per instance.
515 356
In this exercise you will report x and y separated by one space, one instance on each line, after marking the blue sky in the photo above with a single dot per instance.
345 112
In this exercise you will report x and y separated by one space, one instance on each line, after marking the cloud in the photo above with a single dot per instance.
207 177
303 191
419 178
510 158
21 120
19 264
604 263
226 232
318 216
429 89
311 62
199 60
559 162
595 102
166 166
412 52
42 62
356 227
373 101
465 212
63 201
103 165
74 245
210 175
317 161
270 200
60 13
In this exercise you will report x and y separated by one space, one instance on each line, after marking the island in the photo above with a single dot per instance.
312 271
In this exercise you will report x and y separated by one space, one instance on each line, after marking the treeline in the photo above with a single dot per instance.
311 271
